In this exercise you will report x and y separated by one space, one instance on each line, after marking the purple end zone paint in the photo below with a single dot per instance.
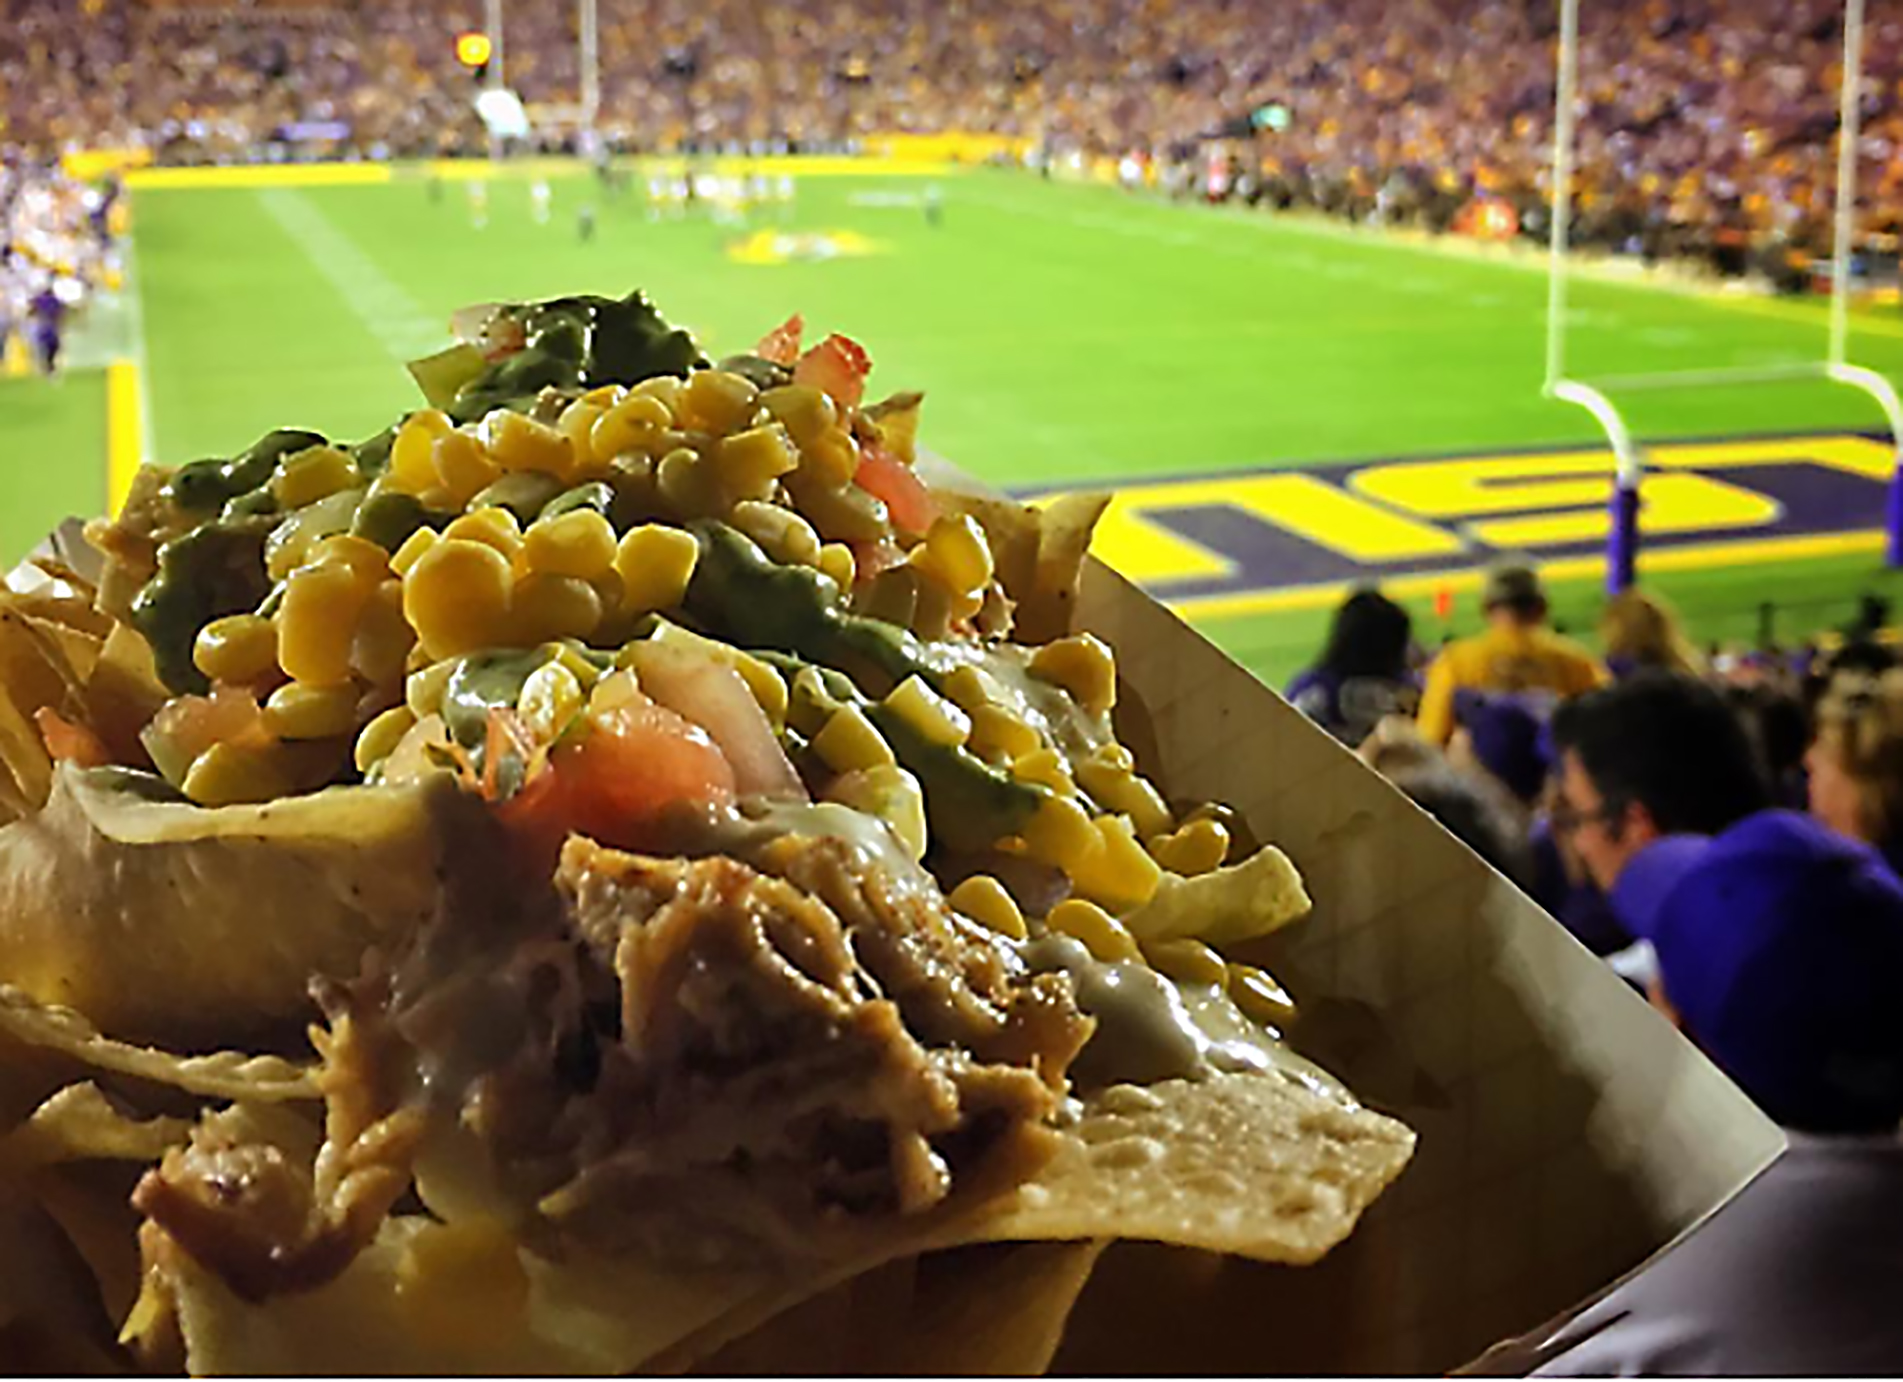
1893 518
1622 540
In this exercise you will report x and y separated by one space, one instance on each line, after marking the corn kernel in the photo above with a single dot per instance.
577 423
687 485
655 564
579 543
313 474
1187 960
457 597
1121 875
749 462
297 711
413 548
998 736
517 441
1197 848
716 401
384 637
412 463
242 648
984 899
836 560
955 554
1082 665
807 413
494 527
782 534
1061 834
928 713
664 389
632 425
317 623
1046 767
361 557
551 697
381 736
463 468
1260 997
225 775
1102 934
569 655
973 688
424 690
848 743
548 607
832 457
604 396
1118 789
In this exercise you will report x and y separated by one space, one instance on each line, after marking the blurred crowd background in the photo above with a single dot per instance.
1707 125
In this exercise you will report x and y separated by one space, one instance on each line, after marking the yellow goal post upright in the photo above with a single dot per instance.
1595 395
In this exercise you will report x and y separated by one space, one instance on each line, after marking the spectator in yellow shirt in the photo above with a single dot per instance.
1516 654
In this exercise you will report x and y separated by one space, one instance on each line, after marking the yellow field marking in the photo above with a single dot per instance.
1144 550
261 175
1676 502
1704 557
125 442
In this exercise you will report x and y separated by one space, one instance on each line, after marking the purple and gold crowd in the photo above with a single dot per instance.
1705 124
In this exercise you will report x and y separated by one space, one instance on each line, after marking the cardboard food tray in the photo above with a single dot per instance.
1567 1132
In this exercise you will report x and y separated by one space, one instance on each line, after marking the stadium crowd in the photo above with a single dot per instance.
1728 834
1707 125
58 245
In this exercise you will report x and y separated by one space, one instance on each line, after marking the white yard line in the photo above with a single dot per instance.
385 308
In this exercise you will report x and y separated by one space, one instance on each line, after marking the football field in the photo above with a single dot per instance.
1286 407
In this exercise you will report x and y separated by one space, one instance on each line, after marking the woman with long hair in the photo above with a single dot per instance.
1856 761
1363 674
1640 630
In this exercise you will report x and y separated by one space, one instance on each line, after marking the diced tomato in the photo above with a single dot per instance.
782 344
838 365
615 783
640 760
906 498
70 743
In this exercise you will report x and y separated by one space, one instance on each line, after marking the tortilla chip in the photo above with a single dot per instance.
91 1203
241 905
1254 1165
80 1124
432 1298
218 1075
50 1313
996 1309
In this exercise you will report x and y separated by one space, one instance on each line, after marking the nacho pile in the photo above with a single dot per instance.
615 872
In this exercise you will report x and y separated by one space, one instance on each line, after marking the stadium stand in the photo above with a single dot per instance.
1707 127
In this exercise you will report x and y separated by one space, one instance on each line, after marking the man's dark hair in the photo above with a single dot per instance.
1368 638
1475 813
1669 742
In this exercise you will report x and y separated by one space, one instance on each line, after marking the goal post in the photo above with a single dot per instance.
1626 516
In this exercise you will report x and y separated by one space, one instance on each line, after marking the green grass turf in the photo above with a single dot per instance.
52 456
1062 334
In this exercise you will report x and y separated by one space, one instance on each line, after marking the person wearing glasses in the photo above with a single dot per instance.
1777 944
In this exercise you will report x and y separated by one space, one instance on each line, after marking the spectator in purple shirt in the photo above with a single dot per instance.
1362 675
